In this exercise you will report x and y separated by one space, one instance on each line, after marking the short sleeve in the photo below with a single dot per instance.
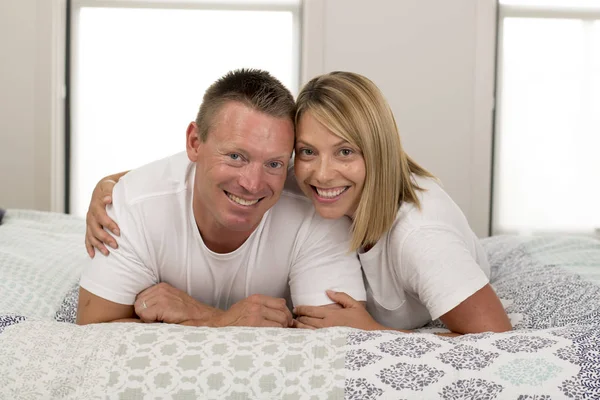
126 271
325 262
436 265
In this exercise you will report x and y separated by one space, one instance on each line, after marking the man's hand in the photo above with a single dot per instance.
164 303
257 310
352 314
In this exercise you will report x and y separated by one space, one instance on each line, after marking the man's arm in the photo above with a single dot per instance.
110 284
93 309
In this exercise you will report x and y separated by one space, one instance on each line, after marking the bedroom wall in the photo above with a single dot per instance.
30 92
17 96
433 60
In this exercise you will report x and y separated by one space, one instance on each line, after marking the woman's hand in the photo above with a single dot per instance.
97 219
352 314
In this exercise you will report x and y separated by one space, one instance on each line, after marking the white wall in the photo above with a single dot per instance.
433 60
17 114
30 110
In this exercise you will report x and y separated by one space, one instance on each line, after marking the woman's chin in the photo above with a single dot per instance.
330 212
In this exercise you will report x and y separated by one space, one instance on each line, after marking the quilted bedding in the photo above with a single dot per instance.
550 287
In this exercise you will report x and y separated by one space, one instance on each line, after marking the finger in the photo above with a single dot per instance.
89 248
343 299
277 316
108 223
146 310
147 293
274 303
97 244
313 322
270 324
311 311
96 230
106 188
299 325
102 220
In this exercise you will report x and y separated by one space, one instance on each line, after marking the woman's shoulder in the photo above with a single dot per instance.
436 208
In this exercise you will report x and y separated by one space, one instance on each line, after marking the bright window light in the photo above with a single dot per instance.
547 163
139 76
554 3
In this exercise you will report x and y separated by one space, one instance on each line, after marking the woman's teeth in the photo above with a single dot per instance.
330 193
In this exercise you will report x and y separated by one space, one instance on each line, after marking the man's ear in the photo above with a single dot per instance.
192 141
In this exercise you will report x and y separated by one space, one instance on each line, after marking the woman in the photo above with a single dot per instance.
421 261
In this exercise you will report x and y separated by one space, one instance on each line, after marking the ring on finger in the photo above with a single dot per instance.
144 306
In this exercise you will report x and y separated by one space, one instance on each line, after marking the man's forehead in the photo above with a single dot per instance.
236 110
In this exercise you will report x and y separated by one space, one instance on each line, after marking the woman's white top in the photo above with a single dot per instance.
427 264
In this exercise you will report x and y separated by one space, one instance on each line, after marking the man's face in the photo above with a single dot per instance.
241 168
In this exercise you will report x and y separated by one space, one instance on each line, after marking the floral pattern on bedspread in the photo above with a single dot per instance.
548 288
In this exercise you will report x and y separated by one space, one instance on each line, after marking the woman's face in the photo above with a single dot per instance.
330 171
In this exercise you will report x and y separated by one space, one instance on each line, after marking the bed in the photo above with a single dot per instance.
550 287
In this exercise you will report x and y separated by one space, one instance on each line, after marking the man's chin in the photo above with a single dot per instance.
241 225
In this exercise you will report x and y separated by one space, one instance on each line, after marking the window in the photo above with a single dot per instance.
140 69
547 142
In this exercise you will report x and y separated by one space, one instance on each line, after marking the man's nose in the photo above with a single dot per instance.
251 178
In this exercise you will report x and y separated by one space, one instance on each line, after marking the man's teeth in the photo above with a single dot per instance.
242 201
330 193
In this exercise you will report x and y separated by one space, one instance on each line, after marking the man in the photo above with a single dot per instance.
209 237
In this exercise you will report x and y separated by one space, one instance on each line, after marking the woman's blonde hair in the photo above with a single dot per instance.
353 108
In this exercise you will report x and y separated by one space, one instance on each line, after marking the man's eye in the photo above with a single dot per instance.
275 164
234 156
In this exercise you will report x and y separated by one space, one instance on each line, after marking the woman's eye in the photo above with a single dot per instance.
306 152
346 152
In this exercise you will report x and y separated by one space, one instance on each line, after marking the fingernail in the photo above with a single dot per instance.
106 199
116 231
329 291
294 310
113 245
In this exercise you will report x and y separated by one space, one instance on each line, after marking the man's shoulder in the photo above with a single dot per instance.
159 178
294 202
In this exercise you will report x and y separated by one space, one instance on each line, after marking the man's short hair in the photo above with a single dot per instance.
255 88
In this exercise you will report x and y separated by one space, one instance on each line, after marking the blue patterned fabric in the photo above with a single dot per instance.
9 320
550 287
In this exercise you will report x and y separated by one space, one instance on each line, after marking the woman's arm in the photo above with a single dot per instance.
97 218
481 312
435 265
353 314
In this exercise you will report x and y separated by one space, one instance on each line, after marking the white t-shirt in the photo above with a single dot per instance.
427 264
294 253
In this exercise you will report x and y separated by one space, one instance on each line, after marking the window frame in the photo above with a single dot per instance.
587 15
73 9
